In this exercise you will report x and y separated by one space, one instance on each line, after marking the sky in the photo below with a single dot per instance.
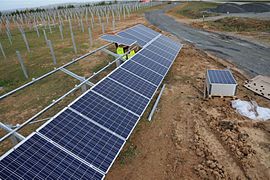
19 4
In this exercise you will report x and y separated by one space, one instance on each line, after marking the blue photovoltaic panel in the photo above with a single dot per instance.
122 96
160 52
167 41
139 35
37 158
221 77
142 31
147 29
106 113
156 57
84 139
164 47
126 35
118 39
143 72
161 48
133 82
150 64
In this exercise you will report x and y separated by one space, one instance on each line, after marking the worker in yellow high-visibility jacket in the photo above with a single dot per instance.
131 53
120 50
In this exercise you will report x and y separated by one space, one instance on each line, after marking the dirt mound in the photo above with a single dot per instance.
256 7
228 7
235 8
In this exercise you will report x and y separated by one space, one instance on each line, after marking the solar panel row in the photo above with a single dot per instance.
83 140
139 33
118 39
37 158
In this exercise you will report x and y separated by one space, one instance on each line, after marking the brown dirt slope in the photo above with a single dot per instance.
193 138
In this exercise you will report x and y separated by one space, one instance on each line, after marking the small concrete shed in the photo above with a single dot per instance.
220 83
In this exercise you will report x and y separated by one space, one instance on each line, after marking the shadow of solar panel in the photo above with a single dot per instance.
143 72
221 77
133 82
155 57
161 52
121 95
151 64
83 138
106 113
39 159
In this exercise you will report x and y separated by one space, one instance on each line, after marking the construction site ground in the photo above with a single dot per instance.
189 137
195 138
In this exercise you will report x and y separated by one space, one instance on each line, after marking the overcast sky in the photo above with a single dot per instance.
18 4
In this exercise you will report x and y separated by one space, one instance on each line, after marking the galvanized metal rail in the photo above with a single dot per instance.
54 71
62 97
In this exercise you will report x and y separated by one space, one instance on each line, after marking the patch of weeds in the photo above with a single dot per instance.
4 83
129 153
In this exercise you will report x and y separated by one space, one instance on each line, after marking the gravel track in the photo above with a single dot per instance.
248 56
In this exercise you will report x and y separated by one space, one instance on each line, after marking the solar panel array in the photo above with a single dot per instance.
84 139
139 33
118 39
221 77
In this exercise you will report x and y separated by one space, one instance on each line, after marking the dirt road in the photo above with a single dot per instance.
248 56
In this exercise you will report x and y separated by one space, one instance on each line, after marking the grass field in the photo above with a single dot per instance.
193 10
234 24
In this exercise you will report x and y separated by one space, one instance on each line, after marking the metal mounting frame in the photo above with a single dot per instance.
53 71
59 99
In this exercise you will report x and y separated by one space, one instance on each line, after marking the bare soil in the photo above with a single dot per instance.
189 137
193 138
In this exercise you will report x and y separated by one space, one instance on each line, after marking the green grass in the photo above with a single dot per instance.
39 60
233 24
128 153
195 10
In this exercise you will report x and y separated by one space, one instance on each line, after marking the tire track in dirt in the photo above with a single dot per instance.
222 155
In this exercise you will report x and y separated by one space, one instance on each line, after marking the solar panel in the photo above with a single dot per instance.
118 39
150 64
155 57
142 72
161 52
133 82
147 29
83 138
167 41
221 77
122 95
106 113
127 35
139 35
143 31
37 158
164 47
